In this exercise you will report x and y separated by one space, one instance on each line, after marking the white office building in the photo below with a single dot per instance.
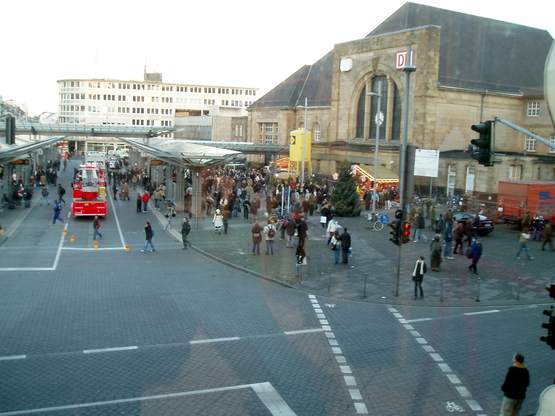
150 102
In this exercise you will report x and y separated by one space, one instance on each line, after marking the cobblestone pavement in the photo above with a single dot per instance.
110 331
504 280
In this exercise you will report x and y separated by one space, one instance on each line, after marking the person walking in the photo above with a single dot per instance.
514 387
420 226
335 245
185 230
435 253
145 198
139 203
458 234
115 189
547 235
290 229
345 246
418 273
44 193
475 254
148 238
333 225
57 211
256 232
523 245
226 217
218 221
269 235
448 239
96 227
61 193
302 230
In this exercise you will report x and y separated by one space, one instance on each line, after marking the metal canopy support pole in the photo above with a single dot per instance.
403 156
305 134
378 122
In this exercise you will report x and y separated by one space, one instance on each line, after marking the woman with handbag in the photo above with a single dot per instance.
418 273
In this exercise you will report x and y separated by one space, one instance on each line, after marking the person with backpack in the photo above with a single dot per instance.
149 233
96 227
185 230
418 273
269 235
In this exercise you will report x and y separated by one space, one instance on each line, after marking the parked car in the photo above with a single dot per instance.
485 227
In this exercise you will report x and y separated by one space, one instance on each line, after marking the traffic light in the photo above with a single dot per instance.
10 130
550 326
405 236
482 149
395 232
399 214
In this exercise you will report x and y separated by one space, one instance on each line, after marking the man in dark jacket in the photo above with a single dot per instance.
514 388
345 246
148 238
185 230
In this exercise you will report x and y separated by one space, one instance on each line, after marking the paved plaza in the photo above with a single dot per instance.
109 330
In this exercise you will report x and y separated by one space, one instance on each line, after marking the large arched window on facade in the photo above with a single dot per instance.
361 112
390 100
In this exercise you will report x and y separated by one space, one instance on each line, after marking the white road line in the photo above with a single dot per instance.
61 244
101 350
360 408
324 322
336 350
340 359
116 218
312 296
267 394
462 390
26 269
355 394
13 357
330 335
345 369
326 327
419 320
212 340
481 312
333 342
303 331
272 399
93 249
350 381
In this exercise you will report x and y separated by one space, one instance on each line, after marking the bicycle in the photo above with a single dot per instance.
374 222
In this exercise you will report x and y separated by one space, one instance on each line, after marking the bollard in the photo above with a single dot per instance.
126 248
518 283
95 244
478 294
72 238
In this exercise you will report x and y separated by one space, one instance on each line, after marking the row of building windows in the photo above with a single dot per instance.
533 109
165 88
268 133
530 144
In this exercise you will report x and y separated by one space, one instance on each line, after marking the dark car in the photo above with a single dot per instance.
485 227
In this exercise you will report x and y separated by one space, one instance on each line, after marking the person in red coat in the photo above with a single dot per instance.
145 198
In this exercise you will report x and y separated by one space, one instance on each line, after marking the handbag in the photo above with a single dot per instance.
323 219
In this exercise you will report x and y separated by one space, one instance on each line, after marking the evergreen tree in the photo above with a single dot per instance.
345 198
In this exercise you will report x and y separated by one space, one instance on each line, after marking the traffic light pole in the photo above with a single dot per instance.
410 68
527 132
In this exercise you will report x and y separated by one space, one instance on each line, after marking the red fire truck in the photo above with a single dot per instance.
89 191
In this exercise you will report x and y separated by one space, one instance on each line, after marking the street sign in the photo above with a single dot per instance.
426 163
403 60
20 162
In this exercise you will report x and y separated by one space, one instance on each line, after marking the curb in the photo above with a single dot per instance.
177 237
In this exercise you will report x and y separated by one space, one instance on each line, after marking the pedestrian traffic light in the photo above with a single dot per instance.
405 237
395 232
482 149
549 339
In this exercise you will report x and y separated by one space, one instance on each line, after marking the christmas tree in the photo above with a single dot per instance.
345 198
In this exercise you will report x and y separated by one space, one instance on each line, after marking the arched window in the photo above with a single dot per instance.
361 110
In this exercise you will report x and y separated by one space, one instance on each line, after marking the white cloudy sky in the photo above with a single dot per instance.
254 43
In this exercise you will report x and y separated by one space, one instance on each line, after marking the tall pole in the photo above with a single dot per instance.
378 121
304 140
403 156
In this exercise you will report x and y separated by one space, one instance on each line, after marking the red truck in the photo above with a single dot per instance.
515 198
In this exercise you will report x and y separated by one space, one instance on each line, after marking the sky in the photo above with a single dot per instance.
220 42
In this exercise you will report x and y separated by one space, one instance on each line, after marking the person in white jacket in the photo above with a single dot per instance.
218 221
333 226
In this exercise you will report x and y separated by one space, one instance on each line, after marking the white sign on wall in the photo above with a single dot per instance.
426 163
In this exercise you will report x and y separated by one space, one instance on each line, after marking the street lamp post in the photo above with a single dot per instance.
305 131
379 119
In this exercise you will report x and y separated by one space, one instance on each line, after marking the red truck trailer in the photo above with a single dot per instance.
515 198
